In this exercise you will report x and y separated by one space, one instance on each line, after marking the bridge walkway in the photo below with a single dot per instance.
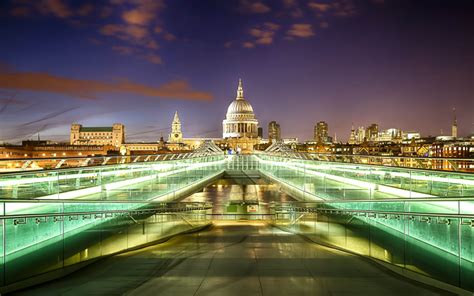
234 258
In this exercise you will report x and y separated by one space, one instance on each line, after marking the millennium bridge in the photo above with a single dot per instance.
206 223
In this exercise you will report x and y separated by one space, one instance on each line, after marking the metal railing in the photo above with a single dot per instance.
8 165
64 233
132 180
241 217
428 236
425 163
318 179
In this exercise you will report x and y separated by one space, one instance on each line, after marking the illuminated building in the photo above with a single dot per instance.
47 149
240 126
391 135
176 136
454 127
372 132
99 136
321 132
352 137
274 131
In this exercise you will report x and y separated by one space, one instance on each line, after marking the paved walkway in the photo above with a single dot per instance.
233 259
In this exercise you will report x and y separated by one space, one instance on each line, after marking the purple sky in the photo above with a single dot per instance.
398 63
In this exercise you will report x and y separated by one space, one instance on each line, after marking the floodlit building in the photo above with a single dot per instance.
454 127
176 136
371 133
260 132
321 132
274 131
240 127
98 136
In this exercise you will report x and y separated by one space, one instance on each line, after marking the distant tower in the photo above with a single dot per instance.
274 132
176 136
75 131
260 132
352 137
454 127
321 134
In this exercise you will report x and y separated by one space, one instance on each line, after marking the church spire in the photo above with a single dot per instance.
455 121
176 117
240 90
454 127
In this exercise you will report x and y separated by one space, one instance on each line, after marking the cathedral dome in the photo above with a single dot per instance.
240 108
240 120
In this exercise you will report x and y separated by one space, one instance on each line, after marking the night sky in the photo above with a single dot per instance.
398 63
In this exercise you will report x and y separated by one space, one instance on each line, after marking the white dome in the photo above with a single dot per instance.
240 107
240 120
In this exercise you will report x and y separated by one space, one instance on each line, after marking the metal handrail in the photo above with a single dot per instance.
388 166
137 211
101 160
342 211
66 169
365 156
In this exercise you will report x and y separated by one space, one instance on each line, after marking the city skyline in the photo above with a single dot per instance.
136 62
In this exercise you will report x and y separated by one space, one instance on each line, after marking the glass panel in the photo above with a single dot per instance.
32 246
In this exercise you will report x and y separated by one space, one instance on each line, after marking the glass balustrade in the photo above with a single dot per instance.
128 181
331 180
432 237
58 234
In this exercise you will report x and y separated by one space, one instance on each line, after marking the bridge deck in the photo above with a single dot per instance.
233 259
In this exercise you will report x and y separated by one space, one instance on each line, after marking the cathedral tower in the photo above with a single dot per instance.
176 136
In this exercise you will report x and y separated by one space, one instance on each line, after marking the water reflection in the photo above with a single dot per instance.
240 196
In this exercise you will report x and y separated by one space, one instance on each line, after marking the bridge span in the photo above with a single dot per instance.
256 213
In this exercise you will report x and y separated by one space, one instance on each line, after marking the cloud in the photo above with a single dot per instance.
85 9
248 6
272 26
321 7
292 8
169 37
296 13
21 11
124 50
89 89
301 30
152 44
138 17
135 22
143 12
124 32
344 8
248 45
153 58
289 3
9 99
50 116
57 8
264 34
